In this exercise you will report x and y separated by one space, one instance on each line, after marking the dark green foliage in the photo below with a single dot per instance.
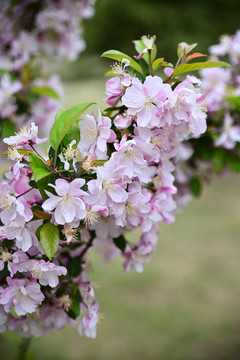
120 242
196 186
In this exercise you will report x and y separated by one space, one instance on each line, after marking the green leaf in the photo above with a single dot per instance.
7 128
37 232
74 267
184 68
196 186
49 239
120 243
140 46
118 55
218 160
233 99
74 310
72 134
38 167
44 91
64 122
58 114
160 62
233 161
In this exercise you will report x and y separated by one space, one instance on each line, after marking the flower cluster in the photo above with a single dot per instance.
28 31
218 150
113 175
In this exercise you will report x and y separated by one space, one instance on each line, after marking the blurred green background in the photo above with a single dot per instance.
117 22
185 305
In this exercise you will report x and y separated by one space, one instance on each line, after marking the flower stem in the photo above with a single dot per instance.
23 349
25 192
150 63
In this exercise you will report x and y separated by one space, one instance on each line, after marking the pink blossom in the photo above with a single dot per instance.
214 83
25 326
22 48
12 260
230 134
95 135
114 90
46 272
132 212
7 90
26 136
135 258
123 121
24 295
109 185
187 105
143 100
54 319
87 325
68 205
106 228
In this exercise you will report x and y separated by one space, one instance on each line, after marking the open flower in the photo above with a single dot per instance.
95 135
68 205
28 135
46 272
144 100
24 295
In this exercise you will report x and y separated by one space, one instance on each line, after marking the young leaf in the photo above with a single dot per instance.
49 239
38 167
184 68
194 56
64 122
44 91
118 55
140 46
160 62
40 214
183 47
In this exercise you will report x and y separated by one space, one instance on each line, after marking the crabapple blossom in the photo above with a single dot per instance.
131 167
144 100
46 272
230 134
87 325
26 136
95 135
24 295
68 205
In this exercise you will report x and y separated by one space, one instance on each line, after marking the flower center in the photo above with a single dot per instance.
91 217
69 233
130 209
66 198
37 272
107 184
5 203
13 154
129 154
5 256
91 133
148 103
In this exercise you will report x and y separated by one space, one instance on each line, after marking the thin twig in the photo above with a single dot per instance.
23 349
